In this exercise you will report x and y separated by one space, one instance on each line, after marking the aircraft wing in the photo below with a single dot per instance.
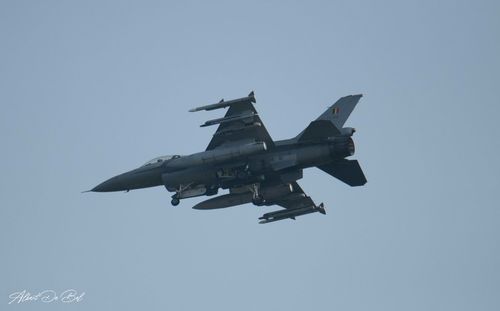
296 203
240 125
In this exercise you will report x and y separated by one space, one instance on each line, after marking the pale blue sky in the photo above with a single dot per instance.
90 89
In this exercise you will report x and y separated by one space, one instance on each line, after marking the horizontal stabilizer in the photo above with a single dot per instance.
226 200
318 130
347 171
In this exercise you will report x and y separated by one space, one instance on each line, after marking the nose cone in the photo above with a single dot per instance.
113 184
135 179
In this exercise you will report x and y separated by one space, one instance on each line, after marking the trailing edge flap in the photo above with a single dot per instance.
318 130
347 171
226 200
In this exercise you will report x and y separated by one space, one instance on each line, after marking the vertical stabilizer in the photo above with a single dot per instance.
341 110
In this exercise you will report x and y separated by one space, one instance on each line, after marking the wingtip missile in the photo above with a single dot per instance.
291 213
224 104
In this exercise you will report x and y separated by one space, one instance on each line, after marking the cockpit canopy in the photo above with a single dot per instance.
161 159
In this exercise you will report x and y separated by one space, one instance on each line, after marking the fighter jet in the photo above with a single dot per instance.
243 158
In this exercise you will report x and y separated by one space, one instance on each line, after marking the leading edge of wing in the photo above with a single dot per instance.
240 124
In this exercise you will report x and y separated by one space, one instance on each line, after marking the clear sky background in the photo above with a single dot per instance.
91 89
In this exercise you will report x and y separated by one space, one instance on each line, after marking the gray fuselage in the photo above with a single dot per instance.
229 167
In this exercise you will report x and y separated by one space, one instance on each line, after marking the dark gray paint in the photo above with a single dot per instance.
243 158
